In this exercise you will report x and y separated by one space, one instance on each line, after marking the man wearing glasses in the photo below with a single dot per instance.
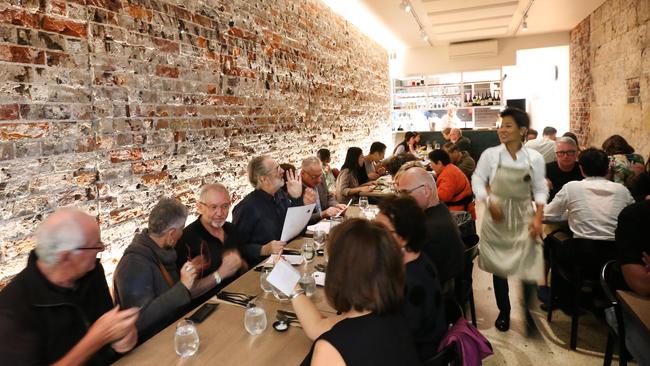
564 169
210 242
312 177
58 310
442 244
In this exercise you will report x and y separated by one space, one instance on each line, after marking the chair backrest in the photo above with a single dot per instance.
611 279
453 311
445 357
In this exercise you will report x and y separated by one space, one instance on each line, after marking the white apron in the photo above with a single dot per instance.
506 248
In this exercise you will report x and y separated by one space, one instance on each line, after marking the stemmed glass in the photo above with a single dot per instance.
308 251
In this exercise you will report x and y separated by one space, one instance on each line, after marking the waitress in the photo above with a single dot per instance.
510 243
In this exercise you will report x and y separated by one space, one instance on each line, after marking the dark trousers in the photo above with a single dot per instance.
501 290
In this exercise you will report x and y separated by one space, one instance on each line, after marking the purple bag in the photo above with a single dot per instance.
468 342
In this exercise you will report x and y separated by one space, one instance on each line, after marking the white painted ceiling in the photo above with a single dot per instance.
446 21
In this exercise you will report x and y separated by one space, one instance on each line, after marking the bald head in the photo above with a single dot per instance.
420 185
66 229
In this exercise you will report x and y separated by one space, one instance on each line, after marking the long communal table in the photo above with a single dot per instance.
223 339
637 305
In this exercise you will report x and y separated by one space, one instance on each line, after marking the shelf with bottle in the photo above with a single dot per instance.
482 98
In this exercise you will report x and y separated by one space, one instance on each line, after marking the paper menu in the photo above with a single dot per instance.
292 259
295 220
284 277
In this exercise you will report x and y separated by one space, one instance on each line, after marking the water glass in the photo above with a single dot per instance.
254 319
308 284
308 251
335 221
264 284
319 238
186 338
363 203
436 146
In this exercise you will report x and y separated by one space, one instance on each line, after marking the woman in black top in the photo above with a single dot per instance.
423 303
365 284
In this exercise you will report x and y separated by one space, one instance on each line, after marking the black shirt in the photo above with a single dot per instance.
259 219
423 306
559 178
632 233
371 340
443 244
640 186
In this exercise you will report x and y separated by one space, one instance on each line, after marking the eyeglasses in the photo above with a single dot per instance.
224 207
409 191
100 246
313 176
567 153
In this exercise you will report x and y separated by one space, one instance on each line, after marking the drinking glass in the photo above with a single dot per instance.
186 338
264 284
437 145
279 294
308 251
308 284
363 203
254 319
319 238
335 221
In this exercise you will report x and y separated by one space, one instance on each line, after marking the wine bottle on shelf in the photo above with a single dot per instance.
490 98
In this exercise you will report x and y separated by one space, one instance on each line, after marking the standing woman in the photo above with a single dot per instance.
353 178
510 242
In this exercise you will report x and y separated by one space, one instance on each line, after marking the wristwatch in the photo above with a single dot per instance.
297 293
216 276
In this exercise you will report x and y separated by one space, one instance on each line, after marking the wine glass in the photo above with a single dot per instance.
363 203
254 319
186 338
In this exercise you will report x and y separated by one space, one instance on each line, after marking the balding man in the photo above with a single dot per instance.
58 310
212 243
147 275
259 217
312 177
443 243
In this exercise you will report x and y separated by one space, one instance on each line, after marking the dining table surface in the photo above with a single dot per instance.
638 305
223 338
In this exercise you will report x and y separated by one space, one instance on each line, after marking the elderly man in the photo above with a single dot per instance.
312 177
259 217
371 161
58 310
564 169
147 275
545 146
210 242
461 159
463 143
443 244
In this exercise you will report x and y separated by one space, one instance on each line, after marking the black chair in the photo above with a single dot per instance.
464 290
611 279
448 355
578 278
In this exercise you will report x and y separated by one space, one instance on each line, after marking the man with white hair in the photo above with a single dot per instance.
443 243
58 310
565 169
147 275
210 242
259 217
312 177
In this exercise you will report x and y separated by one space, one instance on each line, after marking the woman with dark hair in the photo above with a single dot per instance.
641 184
365 284
510 242
624 164
353 178
409 144
423 305
329 173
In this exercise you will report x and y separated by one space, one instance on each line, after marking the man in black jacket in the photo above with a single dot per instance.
58 310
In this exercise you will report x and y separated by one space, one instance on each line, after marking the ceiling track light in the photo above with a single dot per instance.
406 6
524 24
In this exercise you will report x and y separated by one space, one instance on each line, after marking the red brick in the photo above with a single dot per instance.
23 55
57 7
166 46
85 178
9 111
155 178
120 156
112 5
167 71
66 27
17 131
123 214
139 12
21 18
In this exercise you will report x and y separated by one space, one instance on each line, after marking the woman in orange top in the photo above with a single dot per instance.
454 188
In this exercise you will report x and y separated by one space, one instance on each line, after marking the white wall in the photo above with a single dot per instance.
533 78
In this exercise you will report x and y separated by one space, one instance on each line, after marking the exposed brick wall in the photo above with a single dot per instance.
109 104
608 49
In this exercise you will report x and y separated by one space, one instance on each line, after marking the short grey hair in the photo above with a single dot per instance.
256 169
60 232
212 187
167 214
460 132
566 140
309 161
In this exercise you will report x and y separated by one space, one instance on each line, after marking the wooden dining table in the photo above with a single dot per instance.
639 306
223 338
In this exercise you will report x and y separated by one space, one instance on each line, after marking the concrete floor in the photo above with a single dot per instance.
552 348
